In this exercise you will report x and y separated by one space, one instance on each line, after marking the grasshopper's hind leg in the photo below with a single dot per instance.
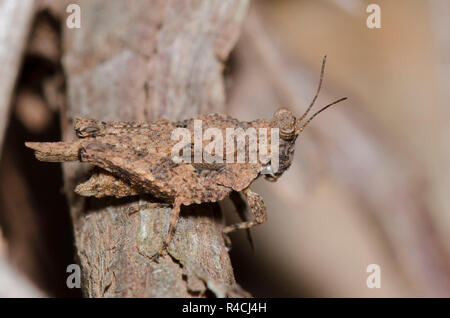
257 208
241 209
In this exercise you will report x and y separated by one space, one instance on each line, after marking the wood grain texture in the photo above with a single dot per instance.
144 60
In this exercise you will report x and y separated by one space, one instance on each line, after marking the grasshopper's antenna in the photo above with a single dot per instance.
322 71
318 112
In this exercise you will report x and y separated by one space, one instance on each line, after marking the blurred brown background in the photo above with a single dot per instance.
370 179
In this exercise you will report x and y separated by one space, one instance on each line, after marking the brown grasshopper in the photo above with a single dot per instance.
135 158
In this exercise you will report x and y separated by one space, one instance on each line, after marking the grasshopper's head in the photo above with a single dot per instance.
285 121
289 128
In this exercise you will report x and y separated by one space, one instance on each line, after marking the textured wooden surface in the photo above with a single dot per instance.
144 60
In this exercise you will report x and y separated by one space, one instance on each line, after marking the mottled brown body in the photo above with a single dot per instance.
138 158
135 158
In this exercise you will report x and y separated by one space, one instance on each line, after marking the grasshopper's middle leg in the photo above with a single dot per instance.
257 208
172 228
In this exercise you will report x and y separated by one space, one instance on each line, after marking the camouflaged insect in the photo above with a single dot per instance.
135 158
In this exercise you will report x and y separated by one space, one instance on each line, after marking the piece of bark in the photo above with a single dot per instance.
15 22
143 60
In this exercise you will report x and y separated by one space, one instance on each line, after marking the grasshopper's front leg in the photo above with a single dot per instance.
257 208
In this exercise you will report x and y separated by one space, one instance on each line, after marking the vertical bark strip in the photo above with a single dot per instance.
143 60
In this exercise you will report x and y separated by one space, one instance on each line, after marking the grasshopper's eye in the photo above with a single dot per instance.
85 127
285 120
89 131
